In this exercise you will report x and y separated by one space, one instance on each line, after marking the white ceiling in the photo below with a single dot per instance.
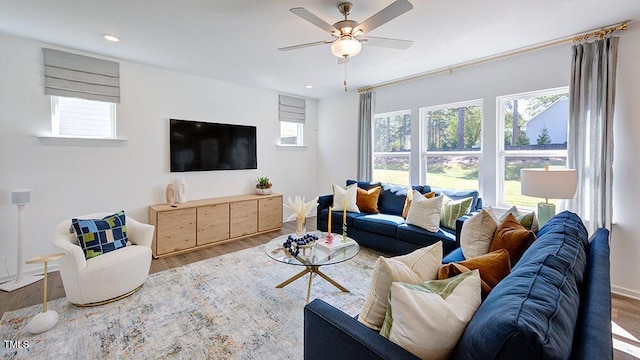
237 40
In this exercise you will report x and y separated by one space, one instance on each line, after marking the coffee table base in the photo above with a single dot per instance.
311 269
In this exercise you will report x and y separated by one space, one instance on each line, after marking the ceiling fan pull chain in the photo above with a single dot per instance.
345 76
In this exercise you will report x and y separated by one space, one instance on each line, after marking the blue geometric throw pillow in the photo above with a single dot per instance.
100 236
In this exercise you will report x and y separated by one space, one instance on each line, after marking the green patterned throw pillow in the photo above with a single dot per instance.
428 319
100 236
528 220
452 210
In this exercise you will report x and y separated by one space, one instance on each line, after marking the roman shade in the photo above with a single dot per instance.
292 109
78 76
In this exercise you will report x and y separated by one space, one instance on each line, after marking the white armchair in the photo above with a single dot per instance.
108 277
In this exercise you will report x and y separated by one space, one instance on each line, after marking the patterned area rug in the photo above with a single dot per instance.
221 308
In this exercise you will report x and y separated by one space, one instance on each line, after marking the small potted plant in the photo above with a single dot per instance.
263 186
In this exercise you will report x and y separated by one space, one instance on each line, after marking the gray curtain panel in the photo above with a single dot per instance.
365 143
592 92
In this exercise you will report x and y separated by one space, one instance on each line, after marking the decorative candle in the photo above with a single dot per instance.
329 226
344 212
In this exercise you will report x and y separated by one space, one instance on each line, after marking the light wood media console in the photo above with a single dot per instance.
201 223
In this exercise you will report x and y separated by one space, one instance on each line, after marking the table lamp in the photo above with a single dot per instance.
548 184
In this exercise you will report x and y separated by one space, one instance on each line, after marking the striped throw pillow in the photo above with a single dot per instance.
452 210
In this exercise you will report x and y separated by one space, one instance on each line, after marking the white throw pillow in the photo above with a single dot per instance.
340 194
477 234
428 319
425 213
414 268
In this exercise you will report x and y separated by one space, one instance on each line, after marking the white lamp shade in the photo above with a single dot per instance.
549 184
346 47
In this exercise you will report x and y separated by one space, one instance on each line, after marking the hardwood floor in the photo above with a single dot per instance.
625 311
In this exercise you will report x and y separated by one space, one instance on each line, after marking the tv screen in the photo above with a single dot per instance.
202 146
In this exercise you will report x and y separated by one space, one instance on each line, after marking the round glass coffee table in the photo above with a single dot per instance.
313 256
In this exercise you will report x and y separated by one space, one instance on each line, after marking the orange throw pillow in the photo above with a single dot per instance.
513 237
407 202
493 267
367 200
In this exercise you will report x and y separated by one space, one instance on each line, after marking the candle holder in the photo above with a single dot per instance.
328 237
344 232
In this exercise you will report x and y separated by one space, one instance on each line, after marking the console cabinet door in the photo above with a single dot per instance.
213 223
176 230
270 213
244 218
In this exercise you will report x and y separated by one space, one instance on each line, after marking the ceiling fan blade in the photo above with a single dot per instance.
310 17
386 42
294 47
391 12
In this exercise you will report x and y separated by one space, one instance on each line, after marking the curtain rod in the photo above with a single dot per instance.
604 31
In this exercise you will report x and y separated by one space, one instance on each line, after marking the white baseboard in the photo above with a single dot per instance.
35 271
634 294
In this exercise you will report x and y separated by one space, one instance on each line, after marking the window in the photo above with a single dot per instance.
451 141
292 113
71 117
291 133
392 147
533 133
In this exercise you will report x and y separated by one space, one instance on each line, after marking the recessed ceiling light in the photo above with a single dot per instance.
308 86
112 38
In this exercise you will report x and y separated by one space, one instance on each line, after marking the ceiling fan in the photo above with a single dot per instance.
348 34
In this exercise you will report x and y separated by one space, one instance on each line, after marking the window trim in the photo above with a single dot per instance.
78 141
423 148
502 154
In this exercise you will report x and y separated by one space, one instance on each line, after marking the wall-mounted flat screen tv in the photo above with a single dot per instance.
203 146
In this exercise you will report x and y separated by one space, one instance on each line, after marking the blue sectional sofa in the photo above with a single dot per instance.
387 230
555 304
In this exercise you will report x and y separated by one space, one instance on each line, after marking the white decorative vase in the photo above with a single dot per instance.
266 191
181 186
171 194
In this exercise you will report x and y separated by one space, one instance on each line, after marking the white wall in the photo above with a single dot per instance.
338 150
543 69
625 237
75 180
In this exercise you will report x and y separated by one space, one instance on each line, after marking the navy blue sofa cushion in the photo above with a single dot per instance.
366 185
392 199
383 224
594 321
533 312
421 237
454 256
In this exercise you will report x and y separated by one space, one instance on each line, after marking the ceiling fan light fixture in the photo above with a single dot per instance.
346 47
